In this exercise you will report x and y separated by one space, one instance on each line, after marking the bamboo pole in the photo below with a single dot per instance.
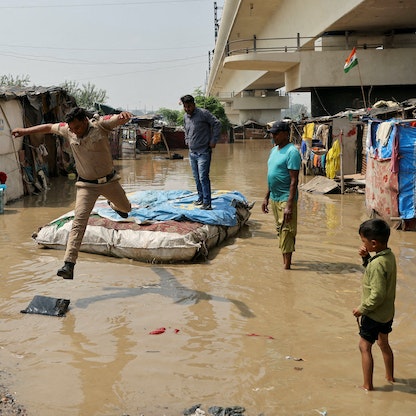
361 84
341 163
166 144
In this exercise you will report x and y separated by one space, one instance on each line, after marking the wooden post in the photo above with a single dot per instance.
341 167
166 144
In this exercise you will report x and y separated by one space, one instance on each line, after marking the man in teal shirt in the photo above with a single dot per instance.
282 177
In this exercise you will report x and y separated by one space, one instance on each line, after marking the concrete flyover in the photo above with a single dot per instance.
266 45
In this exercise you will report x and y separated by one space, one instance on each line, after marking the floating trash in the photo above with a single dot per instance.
288 357
215 411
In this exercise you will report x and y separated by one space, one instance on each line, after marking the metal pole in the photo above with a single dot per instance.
341 164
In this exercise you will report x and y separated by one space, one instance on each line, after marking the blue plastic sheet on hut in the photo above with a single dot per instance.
407 171
384 147
152 206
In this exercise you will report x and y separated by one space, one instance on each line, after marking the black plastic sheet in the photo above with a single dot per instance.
44 305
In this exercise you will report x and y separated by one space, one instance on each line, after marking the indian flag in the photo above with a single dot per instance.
351 61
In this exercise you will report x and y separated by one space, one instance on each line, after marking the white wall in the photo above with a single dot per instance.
11 116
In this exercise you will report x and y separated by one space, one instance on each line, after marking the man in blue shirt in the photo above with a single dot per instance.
282 177
202 132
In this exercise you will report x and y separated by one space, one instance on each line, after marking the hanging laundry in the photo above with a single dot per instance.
308 131
333 160
383 132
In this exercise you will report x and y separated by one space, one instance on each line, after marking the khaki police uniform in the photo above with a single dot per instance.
96 176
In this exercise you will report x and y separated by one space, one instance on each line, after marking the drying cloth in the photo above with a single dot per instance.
333 160
383 132
308 131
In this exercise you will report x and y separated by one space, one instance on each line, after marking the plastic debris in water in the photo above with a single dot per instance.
226 411
157 331
192 410
45 305
215 411
288 357
161 331
257 335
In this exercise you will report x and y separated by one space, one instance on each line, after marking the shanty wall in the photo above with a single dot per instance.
11 116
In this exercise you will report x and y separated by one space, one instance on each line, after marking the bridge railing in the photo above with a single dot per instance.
307 43
254 44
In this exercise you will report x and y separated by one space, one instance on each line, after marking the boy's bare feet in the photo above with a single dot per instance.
365 388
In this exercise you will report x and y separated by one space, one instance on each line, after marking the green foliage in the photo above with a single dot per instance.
171 116
86 94
15 81
180 118
213 106
175 117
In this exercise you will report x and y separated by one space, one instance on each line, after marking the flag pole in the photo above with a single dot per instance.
361 83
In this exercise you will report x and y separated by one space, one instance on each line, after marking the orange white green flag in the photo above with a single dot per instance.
351 61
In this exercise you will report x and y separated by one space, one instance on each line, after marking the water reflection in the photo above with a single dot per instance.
169 287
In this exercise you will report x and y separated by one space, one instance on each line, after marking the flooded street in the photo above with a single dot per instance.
101 360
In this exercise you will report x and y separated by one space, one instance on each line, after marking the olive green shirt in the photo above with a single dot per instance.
379 287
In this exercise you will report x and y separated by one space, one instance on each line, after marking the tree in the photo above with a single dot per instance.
213 106
86 94
171 116
18 81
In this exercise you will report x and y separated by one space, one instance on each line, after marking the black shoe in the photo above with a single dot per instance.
121 213
66 271
199 202
206 207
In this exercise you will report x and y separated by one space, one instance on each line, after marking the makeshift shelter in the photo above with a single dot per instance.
250 130
11 116
332 146
391 171
30 160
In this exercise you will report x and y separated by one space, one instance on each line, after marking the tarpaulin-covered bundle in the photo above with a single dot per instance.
391 169
163 226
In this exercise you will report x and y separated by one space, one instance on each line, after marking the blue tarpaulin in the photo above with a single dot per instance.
405 157
151 206
407 171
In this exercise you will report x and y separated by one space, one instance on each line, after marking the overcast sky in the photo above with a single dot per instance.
144 53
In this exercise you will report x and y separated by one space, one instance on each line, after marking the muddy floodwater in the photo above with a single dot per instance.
240 330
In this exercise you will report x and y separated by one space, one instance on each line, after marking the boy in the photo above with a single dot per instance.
377 299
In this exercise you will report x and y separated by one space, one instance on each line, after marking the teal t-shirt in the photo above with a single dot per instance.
278 166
